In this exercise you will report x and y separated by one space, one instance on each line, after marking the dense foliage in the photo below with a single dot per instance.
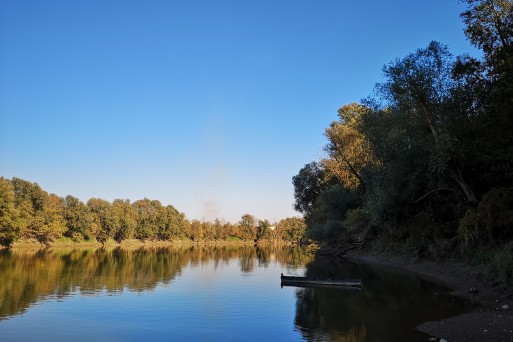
28 212
427 160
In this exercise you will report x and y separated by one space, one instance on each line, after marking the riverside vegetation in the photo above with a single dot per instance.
424 166
29 213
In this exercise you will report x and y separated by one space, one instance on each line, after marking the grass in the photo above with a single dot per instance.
494 264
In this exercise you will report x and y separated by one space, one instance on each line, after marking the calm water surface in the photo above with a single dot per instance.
206 294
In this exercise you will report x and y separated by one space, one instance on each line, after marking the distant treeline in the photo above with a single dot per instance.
29 212
426 161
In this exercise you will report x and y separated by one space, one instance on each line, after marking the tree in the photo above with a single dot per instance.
220 229
29 200
332 206
196 231
489 24
79 221
54 224
9 230
292 229
308 185
125 222
41 215
103 219
247 227
348 149
150 218
262 230
174 224
420 85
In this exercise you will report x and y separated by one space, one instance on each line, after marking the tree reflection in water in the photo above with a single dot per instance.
28 276
388 307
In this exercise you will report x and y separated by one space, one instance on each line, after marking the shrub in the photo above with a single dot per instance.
496 213
357 223
468 229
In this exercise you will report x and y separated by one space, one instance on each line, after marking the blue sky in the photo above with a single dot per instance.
211 106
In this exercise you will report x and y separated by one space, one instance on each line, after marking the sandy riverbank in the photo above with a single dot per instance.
492 321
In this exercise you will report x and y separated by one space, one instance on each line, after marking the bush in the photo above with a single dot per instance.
468 229
332 205
496 213
494 264
357 224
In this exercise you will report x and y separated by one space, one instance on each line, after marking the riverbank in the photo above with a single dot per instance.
131 243
491 321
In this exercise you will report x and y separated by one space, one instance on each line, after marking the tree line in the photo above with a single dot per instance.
427 160
28 212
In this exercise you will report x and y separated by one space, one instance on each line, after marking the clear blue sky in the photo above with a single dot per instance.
211 106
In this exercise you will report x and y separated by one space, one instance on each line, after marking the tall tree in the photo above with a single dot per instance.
125 220
54 224
150 218
292 229
247 227
79 221
262 230
421 85
41 215
489 24
9 229
103 219
348 148
308 185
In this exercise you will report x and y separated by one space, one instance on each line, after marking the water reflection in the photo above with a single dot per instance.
28 276
212 289
388 307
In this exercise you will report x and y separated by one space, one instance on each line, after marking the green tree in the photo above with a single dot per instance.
79 220
41 215
332 205
308 185
54 224
262 230
292 229
348 149
150 218
489 25
247 227
9 229
420 86
196 231
29 200
125 220
103 219
173 227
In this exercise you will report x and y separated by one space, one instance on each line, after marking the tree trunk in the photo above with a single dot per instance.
467 191
455 174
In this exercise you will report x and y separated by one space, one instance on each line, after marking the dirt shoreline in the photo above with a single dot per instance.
492 321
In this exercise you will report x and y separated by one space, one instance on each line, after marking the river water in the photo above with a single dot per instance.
206 293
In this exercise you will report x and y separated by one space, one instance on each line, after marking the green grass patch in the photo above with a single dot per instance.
234 239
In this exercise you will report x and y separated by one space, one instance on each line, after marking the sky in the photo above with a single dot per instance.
210 106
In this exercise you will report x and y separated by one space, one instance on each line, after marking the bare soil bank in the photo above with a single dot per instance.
492 321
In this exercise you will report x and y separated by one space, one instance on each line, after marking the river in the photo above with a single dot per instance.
205 293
